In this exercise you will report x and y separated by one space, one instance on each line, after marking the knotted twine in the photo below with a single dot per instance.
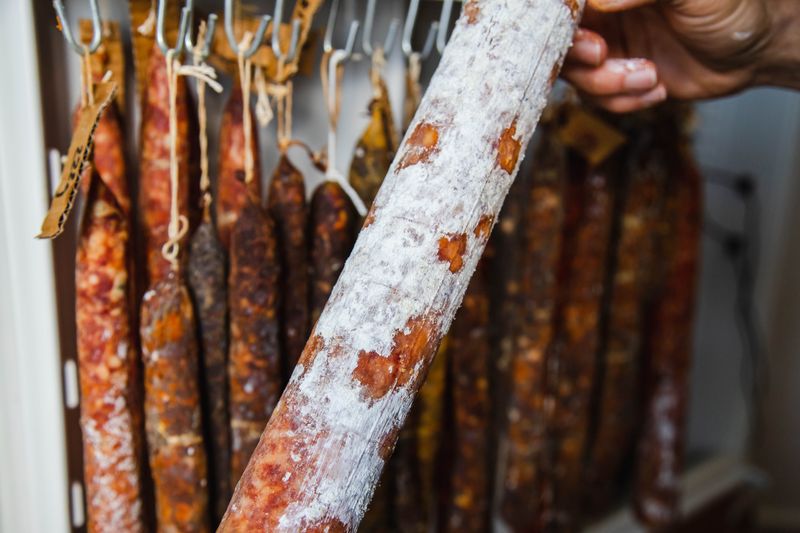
331 72
179 223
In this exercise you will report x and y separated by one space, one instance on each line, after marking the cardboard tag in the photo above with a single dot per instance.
78 156
587 134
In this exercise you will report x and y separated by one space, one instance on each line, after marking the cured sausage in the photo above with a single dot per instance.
287 205
110 401
571 357
334 428
172 407
232 192
376 148
660 447
207 282
525 436
332 223
254 358
154 182
467 503
619 375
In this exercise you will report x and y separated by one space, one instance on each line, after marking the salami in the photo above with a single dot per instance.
207 281
287 205
254 363
172 407
571 357
110 401
525 436
333 430
404 474
332 224
376 148
617 407
660 448
232 192
154 182
467 504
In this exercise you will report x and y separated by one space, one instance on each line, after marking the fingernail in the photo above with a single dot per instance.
659 94
641 79
589 49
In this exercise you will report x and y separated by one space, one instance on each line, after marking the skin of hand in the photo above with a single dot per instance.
632 54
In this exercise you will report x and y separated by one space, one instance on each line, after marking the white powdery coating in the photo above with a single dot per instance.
494 73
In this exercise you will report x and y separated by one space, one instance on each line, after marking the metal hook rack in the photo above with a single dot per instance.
408 32
276 37
366 37
258 38
329 30
444 25
186 14
211 25
97 28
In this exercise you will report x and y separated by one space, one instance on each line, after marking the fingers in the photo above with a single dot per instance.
630 103
588 48
617 5
613 77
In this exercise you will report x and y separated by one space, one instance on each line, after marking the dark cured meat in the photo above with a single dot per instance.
525 440
232 192
111 410
287 205
409 511
571 358
617 406
154 182
660 453
467 504
254 363
208 284
332 220
172 407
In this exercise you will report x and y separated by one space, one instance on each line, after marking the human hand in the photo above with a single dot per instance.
631 54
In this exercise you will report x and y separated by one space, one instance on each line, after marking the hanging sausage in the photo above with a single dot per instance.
253 284
617 405
467 501
660 447
206 275
525 435
570 358
173 418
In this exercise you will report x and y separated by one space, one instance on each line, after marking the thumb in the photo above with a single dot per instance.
617 5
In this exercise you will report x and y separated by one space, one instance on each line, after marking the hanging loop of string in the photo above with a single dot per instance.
87 83
282 94
245 81
198 53
331 86
178 223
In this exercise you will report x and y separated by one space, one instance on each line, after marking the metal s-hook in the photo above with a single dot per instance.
276 35
205 50
351 34
444 25
408 32
258 38
97 28
186 15
366 36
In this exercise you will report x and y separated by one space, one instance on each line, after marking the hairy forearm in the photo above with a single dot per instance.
780 64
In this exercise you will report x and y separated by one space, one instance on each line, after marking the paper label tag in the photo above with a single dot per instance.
587 134
80 150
